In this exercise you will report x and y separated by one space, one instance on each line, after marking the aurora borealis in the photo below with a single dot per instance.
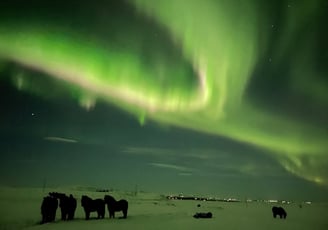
250 73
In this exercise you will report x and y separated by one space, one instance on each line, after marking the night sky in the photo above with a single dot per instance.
228 98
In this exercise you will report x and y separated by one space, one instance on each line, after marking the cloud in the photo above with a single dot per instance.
185 174
171 166
210 161
148 151
60 139
196 153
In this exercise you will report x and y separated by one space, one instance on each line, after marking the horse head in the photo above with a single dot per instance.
109 199
84 200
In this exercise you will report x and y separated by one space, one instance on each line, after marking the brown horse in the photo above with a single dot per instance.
116 206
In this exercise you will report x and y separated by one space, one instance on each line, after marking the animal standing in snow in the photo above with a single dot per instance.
90 205
279 211
48 209
67 205
116 206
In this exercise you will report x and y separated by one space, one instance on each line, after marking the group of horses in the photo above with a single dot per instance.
98 205
68 206
49 207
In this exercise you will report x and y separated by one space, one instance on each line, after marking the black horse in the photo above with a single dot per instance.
279 211
90 205
67 205
48 209
116 206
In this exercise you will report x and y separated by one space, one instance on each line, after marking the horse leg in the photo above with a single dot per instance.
53 215
67 214
63 216
44 218
87 215
100 214
70 215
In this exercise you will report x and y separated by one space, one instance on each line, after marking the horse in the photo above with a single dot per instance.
279 211
116 206
71 207
90 205
48 209
67 205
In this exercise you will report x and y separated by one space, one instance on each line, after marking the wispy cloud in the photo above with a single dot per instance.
60 139
171 166
207 161
185 174
195 153
148 151
204 153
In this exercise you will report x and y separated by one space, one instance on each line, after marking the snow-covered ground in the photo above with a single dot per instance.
20 209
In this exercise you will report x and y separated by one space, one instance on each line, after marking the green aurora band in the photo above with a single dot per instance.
212 50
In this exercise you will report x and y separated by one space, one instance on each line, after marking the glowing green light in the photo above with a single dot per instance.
204 89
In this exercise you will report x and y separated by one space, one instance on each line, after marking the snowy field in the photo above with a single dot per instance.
20 209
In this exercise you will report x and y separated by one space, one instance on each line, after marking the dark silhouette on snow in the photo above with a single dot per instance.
116 206
279 211
203 215
90 205
48 209
67 205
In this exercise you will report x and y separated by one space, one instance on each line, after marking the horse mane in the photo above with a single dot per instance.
109 198
57 195
85 199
